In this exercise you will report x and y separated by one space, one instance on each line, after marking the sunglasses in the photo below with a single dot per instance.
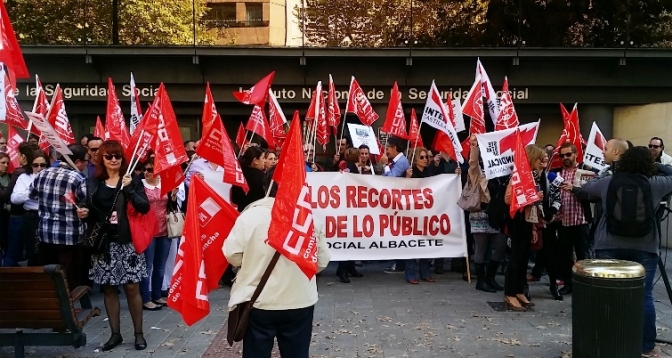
422 157
115 156
38 165
3 143
93 149
148 170
651 146
566 155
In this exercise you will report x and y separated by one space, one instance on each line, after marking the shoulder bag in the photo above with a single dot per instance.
239 318
96 236
470 200
175 221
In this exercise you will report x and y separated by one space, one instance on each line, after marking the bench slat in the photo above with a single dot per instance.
35 324
24 277
15 286
27 295
18 315
39 304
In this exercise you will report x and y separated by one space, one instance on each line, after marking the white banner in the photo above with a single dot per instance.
594 153
379 218
49 133
361 134
497 148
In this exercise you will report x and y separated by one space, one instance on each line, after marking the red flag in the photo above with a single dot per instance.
507 113
114 120
276 119
414 133
216 147
145 133
359 104
473 107
322 129
333 111
523 190
136 111
169 148
209 110
13 141
292 232
99 131
58 118
41 104
200 261
256 95
11 114
571 133
10 52
240 136
257 124
395 121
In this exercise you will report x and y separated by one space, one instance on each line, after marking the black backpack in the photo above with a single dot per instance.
497 209
629 210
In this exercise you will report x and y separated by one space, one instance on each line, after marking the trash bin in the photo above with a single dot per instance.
607 309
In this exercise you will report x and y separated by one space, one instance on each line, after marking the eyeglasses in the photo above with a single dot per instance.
115 156
38 165
148 170
566 155
422 157
93 149
3 143
651 146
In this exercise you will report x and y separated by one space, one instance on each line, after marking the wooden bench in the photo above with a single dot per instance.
39 298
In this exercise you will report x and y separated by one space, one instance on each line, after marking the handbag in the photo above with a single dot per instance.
239 318
470 199
96 238
175 221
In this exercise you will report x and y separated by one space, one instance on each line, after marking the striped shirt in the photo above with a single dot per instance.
59 223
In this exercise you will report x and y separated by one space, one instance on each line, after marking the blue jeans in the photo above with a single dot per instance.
650 262
412 266
14 242
155 256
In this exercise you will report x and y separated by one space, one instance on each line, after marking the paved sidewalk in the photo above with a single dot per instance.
376 316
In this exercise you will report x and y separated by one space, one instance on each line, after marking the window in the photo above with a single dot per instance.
254 14
222 14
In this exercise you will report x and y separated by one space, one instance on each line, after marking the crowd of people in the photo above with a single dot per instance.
569 222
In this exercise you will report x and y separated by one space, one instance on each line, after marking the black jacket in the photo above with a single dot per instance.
133 193
255 181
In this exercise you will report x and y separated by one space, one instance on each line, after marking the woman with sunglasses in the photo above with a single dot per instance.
20 197
156 254
418 169
121 265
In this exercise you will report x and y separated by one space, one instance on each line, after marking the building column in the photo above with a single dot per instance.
601 114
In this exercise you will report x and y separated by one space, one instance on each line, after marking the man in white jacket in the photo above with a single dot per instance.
284 309
657 148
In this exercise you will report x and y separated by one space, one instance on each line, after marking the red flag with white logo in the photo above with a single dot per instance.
10 112
570 133
414 132
99 131
473 107
58 118
594 154
359 104
292 232
240 135
256 95
276 119
114 120
40 106
168 148
209 110
258 125
144 136
10 52
507 113
333 111
322 129
216 147
200 261
523 190
136 111
395 121
436 114
13 141
488 92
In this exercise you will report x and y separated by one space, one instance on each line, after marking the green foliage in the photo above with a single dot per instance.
141 22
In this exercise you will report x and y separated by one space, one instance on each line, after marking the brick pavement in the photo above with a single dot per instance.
375 316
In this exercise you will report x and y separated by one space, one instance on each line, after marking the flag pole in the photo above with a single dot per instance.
415 146
189 164
314 140
345 112
135 151
270 186
30 126
240 152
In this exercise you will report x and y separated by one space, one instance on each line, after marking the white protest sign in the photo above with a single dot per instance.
49 133
361 134
497 148
594 153
368 217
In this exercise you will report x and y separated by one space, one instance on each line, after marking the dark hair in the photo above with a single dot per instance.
250 155
397 143
188 141
96 138
4 155
190 153
637 160
549 145
33 136
269 152
78 152
662 144
569 145
109 147
28 150
364 146
630 145
351 155
88 137
39 154
148 161
268 179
